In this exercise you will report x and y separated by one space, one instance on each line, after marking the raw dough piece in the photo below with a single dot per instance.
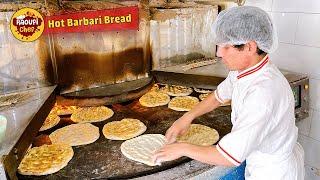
46 159
199 135
141 148
75 134
122 130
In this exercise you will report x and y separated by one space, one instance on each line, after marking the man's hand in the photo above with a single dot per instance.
169 152
179 127
205 154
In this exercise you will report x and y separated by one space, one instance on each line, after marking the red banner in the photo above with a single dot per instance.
126 18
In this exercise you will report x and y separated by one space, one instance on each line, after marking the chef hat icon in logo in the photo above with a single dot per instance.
27 25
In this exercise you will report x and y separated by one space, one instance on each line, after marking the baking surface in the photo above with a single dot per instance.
103 158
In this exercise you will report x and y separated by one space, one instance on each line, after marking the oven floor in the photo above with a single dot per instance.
103 159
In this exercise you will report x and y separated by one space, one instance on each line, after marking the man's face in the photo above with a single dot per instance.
233 58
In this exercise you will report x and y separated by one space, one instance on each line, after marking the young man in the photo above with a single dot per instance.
264 132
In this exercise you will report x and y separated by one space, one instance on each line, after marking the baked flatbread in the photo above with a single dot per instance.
125 129
174 90
226 103
184 103
91 114
155 87
153 99
203 96
199 90
201 135
164 89
141 148
75 134
64 110
51 120
46 159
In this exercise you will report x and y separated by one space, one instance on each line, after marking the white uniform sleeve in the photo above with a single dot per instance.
225 88
251 126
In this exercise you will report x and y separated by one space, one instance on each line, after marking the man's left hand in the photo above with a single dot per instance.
169 152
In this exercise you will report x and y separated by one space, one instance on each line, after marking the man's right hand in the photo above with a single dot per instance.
179 127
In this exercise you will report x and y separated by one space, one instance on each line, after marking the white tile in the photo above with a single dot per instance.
284 57
285 5
304 125
308 58
286 24
308 29
263 4
315 126
297 58
309 6
314 93
311 150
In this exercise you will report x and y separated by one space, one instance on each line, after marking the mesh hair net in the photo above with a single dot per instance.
238 25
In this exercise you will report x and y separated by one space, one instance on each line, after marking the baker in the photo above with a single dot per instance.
264 132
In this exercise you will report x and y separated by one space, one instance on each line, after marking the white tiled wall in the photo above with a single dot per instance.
302 6
315 93
311 158
264 4
298 26
298 58
315 127
308 30
283 20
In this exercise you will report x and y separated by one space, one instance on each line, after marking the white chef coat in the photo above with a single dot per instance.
264 132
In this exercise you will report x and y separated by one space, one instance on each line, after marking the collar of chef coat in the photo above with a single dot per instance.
254 70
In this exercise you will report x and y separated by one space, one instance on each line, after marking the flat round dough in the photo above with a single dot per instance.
64 110
75 134
201 135
91 114
153 99
184 103
200 90
174 90
142 148
51 120
46 159
125 129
